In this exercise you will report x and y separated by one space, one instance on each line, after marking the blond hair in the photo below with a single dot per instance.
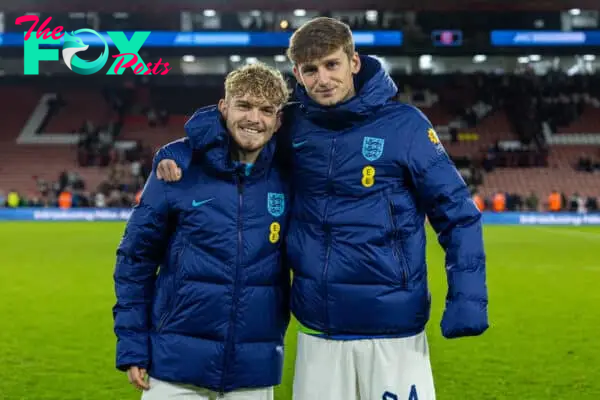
260 81
318 38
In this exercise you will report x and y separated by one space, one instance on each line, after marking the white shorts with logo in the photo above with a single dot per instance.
161 390
369 369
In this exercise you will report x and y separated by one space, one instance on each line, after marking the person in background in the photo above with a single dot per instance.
555 201
479 201
499 202
13 200
532 202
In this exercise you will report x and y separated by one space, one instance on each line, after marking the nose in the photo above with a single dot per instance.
323 76
253 115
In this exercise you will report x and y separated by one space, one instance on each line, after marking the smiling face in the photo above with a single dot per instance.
251 121
254 96
325 61
329 80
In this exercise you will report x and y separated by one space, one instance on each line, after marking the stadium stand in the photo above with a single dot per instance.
511 133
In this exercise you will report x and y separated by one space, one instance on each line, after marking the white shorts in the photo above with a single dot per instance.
370 369
161 390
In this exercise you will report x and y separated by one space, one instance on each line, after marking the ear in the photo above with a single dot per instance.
355 63
223 107
297 74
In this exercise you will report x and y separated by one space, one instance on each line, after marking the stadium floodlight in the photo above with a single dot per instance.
210 13
523 60
235 58
300 13
371 15
189 58
280 58
479 58
251 60
589 57
255 13
575 11
425 61
535 57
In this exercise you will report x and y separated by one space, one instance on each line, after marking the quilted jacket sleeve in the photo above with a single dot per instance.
140 252
445 197
179 151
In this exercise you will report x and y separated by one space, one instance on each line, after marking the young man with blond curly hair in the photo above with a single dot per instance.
210 322
367 171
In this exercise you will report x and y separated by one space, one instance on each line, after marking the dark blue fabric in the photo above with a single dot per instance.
358 250
216 312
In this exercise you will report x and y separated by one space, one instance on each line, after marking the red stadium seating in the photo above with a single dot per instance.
542 181
20 162
589 121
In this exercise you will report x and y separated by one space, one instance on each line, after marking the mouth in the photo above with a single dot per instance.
251 131
326 91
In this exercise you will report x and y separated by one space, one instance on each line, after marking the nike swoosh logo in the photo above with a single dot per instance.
298 144
199 203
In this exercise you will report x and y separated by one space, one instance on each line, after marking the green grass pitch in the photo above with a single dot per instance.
56 294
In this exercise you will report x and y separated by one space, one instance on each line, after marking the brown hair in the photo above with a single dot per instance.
318 38
258 80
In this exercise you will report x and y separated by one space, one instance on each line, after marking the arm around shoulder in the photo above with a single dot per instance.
179 151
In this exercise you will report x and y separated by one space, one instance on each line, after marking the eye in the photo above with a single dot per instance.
309 71
332 64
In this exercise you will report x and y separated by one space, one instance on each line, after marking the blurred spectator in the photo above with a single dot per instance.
65 198
100 200
514 202
532 202
577 203
591 204
499 202
13 199
479 201
555 201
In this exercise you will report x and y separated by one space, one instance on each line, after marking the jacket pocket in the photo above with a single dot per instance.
397 249
172 290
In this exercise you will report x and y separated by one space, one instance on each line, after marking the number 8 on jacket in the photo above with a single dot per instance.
368 176
274 232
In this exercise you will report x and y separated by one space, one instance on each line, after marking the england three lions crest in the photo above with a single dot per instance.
372 148
276 204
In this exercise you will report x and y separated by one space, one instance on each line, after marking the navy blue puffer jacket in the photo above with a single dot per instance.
366 173
216 313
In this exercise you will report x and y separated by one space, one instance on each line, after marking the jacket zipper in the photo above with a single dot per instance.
230 335
327 238
171 302
395 251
